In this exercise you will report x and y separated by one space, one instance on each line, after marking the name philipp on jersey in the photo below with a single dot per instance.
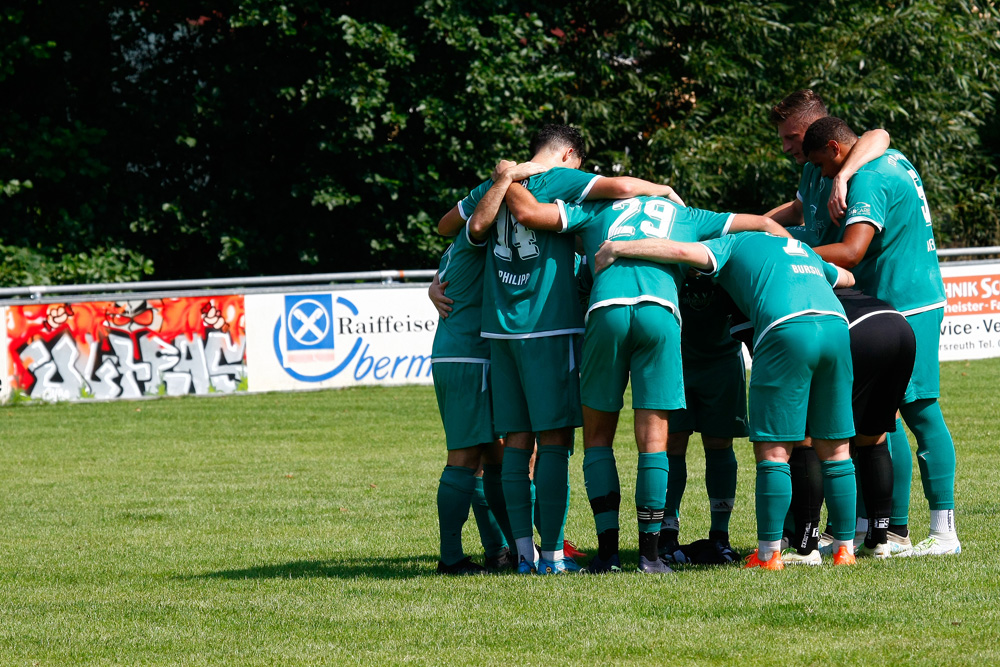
515 279
805 268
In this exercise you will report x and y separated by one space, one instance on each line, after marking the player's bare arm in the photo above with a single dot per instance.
788 214
745 222
626 187
871 145
488 207
435 293
662 251
451 223
844 278
851 250
530 212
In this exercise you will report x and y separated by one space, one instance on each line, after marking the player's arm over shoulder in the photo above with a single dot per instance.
626 187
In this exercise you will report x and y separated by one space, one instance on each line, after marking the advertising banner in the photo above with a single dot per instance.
971 327
339 338
126 349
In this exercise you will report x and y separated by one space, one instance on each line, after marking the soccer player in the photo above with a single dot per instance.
531 323
812 218
801 371
460 360
888 241
716 407
883 348
632 331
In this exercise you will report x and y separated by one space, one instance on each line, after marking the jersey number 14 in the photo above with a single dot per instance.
512 233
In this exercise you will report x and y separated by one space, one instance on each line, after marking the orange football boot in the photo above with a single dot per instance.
844 557
773 564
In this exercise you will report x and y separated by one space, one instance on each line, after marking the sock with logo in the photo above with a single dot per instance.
874 470
650 492
841 490
772 496
489 530
517 494
807 498
552 483
600 476
935 452
720 482
454 497
902 477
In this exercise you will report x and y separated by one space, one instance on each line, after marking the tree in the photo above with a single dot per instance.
250 137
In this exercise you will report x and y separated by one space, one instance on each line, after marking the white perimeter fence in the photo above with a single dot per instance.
134 340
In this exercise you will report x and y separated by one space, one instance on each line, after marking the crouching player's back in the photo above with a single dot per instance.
802 367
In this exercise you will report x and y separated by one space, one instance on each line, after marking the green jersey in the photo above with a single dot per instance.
900 265
814 192
707 312
457 337
773 279
630 281
529 281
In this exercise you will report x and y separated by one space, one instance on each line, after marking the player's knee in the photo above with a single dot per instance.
677 443
467 457
712 442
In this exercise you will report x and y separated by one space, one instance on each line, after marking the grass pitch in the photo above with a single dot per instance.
301 529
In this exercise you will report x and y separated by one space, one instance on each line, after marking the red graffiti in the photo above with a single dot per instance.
93 323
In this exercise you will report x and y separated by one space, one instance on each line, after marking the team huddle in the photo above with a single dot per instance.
536 340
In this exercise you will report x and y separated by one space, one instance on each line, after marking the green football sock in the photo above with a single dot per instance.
677 476
773 495
840 490
650 490
720 482
493 488
600 476
489 530
552 478
902 475
453 499
517 491
935 452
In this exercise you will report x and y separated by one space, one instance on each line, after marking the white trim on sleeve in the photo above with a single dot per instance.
863 218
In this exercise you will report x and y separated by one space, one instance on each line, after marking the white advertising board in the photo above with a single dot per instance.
339 338
971 327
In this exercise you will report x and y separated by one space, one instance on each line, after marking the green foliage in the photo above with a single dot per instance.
30 266
264 138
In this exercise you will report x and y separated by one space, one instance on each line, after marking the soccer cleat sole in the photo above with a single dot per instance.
792 557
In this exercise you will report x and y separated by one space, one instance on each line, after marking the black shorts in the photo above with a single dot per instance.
883 348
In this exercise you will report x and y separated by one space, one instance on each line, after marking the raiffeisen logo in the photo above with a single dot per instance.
318 337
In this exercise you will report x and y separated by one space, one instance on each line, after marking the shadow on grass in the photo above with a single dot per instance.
375 568
334 568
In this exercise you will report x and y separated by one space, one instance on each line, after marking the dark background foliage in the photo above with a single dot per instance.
198 139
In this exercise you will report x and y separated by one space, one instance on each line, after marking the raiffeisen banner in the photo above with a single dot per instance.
125 349
971 327
339 338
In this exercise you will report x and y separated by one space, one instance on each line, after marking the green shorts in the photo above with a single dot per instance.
536 384
802 375
463 395
716 394
925 381
643 342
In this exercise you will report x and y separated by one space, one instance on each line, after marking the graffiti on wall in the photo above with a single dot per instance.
128 349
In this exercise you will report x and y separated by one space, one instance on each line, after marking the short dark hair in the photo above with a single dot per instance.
559 136
825 129
800 103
